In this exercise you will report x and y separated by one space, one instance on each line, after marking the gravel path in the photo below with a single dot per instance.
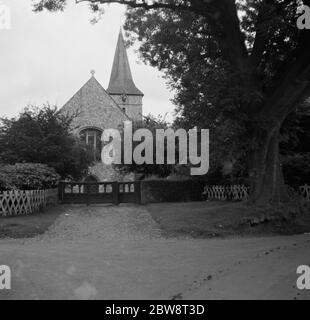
103 223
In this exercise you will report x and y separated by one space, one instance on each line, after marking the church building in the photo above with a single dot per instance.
96 109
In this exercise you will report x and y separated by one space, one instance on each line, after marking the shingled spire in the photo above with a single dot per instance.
121 82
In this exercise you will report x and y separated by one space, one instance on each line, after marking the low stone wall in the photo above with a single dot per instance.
153 191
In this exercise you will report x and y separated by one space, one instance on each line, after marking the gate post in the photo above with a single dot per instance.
115 189
137 186
61 191
87 193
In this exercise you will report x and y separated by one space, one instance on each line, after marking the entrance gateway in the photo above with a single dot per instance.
91 192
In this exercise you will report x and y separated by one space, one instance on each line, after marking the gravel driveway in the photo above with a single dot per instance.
109 252
103 223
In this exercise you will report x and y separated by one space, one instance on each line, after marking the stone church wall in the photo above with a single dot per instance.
107 173
93 108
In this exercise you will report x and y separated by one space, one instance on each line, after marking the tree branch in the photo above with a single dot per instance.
264 15
233 39
292 91
146 5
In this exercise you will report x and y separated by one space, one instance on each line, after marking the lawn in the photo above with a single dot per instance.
28 226
223 219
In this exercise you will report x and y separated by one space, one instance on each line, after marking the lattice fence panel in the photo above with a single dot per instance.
231 192
20 202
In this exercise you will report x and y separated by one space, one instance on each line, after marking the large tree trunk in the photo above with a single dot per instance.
265 170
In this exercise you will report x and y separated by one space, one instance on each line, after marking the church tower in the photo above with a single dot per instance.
122 87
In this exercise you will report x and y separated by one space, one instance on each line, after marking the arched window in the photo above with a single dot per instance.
92 138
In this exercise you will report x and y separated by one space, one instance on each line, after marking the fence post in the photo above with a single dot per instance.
115 189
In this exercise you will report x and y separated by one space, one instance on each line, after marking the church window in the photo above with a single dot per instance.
92 138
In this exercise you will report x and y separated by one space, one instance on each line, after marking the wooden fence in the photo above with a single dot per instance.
99 192
20 202
240 192
232 192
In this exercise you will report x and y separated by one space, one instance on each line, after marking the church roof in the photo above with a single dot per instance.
92 99
121 81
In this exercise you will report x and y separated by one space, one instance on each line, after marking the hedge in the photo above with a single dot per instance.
171 191
27 176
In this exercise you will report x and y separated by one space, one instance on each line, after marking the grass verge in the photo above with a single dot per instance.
223 219
28 226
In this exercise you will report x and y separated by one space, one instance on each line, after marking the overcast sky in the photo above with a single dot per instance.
48 57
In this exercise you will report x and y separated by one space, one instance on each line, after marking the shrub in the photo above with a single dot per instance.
27 176
44 136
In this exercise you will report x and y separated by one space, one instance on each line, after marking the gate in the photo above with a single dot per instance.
99 192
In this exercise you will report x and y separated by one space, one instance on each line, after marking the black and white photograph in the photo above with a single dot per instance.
155 152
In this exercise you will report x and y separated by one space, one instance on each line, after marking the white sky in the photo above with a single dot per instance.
48 57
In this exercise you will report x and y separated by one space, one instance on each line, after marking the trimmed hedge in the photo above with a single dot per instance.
28 176
171 191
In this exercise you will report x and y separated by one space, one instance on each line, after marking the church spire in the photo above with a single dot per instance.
121 81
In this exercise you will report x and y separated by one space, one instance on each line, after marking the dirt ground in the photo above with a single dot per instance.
109 252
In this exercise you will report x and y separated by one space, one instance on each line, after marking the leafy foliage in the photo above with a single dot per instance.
295 148
210 91
43 136
27 176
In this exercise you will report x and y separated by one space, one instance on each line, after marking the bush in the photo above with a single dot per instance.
296 169
171 191
27 176
44 136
